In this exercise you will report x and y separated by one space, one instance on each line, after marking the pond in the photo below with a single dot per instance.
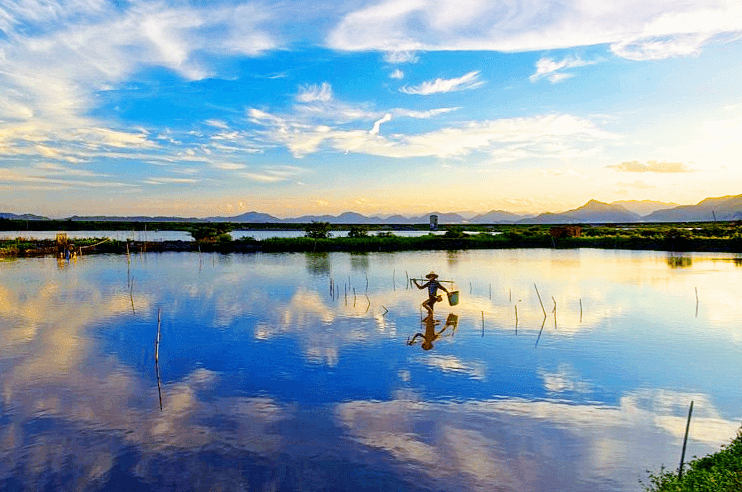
557 370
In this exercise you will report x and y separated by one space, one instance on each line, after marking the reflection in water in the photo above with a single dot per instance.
430 334
359 262
318 263
267 382
453 257
674 261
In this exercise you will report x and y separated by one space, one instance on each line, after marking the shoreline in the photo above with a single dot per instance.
13 248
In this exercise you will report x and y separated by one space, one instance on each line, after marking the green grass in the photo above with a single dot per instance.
701 237
718 472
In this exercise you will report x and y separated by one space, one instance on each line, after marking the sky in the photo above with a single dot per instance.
216 108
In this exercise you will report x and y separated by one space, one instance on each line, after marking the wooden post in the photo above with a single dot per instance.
539 300
685 441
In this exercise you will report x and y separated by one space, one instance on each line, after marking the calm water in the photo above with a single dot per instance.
271 380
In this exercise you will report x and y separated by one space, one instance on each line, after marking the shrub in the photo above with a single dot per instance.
358 231
317 230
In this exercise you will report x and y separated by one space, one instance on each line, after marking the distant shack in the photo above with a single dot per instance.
565 231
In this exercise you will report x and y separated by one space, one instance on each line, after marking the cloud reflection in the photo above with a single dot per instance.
518 444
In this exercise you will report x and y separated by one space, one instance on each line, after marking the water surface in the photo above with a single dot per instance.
294 372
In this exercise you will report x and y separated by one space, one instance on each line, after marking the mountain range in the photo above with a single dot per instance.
594 212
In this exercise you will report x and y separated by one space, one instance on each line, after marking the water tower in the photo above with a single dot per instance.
433 222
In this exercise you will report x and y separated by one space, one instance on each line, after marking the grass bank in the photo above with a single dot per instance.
510 239
718 472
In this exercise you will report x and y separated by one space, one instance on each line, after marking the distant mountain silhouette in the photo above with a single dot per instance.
7 215
593 212
248 217
644 207
721 208
137 218
496 217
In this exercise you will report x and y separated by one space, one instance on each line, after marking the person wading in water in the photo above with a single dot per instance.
433 285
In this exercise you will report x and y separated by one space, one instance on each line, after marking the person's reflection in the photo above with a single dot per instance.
430 334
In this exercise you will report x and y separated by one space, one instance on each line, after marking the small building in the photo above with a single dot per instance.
565 231
433 222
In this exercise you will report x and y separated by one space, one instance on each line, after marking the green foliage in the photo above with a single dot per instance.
358 231
454 232
211 233
317 230
718 472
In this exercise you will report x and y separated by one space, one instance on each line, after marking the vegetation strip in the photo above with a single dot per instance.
720 471
701 237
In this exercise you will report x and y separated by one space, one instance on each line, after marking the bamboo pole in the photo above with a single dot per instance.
540 331
159 384
685 441
131 295
157 340
539 300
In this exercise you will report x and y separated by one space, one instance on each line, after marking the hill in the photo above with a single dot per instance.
593 212
720 208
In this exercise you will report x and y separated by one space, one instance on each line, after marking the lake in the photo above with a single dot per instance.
557 370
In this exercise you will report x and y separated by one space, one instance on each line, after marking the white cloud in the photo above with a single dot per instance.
559 134
553 70
400 57
422 114
651 167
272 174
465 82
313 93
397 74
168 180
55 56
632 27
377 124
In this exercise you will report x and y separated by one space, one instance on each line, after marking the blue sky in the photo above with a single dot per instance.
291 108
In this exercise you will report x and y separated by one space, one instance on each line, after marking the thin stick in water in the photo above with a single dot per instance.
685 441
490 292
580 309
696 302
131 295
385 310
516 319
540 331
539 300
157 340
159 385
